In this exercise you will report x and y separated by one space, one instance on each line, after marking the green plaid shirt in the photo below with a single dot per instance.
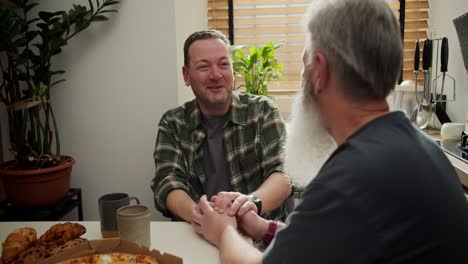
253 140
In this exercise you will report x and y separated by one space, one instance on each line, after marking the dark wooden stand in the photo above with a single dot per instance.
9 212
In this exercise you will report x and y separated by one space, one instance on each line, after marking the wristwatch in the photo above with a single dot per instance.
257 201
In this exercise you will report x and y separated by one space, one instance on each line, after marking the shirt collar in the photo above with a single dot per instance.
238 112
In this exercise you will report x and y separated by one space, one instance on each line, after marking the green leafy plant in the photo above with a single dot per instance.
257 66
28 45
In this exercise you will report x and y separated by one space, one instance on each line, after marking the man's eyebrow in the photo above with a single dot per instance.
207 61
201 61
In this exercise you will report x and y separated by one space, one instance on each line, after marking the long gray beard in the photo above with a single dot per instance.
308 145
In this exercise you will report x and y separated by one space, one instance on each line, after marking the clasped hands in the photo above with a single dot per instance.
225 210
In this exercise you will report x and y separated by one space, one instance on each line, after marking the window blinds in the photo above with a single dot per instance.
260 21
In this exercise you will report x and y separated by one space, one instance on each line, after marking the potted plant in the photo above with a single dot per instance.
28 45
256 66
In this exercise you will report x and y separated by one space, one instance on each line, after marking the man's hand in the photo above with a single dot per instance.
209 223
234 203
253 225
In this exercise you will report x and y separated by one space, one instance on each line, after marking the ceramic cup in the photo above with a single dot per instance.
134 224
108 205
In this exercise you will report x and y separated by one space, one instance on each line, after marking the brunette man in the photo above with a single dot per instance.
222 144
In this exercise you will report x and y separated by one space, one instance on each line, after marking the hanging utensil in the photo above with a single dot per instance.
416 72
439 108
425 111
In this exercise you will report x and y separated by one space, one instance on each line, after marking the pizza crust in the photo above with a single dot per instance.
112 258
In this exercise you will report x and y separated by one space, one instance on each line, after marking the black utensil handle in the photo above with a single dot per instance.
416 57
441 114
430 53
444 55
426 55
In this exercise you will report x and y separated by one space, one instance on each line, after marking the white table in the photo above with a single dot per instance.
176 238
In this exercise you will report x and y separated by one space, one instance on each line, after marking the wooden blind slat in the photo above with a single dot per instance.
292 48
295 57
261 40
394 5
417 14
416 24
268 20
269 2
417 5
217 2
217 24
414 35
299 10
268 30
218 13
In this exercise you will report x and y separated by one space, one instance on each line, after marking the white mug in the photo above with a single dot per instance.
133 222
451 131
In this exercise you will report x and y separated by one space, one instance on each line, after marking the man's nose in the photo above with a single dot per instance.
215 73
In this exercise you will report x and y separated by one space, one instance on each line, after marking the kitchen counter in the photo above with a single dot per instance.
460 166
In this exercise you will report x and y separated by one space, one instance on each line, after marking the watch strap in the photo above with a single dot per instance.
271 231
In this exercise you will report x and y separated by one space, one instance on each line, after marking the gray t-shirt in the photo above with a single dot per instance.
214 157
387 195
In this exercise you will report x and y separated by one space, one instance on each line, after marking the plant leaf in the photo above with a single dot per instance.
108 11
99 18
30 6
53 20
56 51
45 15
57 72
91 6
57 82
20 42
43 26
108 3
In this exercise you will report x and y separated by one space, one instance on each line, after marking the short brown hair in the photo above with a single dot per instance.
199 35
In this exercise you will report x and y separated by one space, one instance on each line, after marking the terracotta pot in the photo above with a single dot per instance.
39 188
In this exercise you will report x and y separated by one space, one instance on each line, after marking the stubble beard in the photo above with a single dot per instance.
214 101
308 144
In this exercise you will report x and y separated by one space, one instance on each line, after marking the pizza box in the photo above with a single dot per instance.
110 245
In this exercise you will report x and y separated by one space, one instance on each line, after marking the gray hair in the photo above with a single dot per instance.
362 41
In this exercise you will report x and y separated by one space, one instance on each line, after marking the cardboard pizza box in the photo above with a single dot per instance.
110 245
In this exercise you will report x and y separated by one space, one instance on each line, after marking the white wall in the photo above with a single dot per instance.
121 77
190 17
442 14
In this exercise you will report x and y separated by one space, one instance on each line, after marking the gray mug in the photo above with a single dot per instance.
134 224
108 205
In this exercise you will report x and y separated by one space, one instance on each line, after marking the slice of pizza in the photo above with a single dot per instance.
80 260
145 259
112 258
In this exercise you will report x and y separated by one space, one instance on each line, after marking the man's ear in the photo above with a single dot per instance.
185 73
321 74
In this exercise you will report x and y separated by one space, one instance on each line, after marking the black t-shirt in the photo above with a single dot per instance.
387 195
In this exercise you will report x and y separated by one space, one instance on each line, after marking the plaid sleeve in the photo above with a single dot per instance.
272 140
170 168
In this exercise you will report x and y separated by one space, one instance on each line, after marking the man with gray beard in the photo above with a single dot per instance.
387 193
